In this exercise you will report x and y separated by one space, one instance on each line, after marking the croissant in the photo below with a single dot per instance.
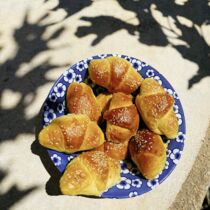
117 151
148 152
71 133
116 74
104 101
156 109
81 100
90 173
122 118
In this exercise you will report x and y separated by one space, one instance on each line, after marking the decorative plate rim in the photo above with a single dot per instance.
131 184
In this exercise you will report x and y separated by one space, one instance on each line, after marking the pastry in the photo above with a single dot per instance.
71 133
104 101
90 173
148 152
81 100
122 118
117 151
156 109
114 73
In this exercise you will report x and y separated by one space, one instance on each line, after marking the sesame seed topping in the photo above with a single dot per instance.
143 140
158 104
123 116
98 161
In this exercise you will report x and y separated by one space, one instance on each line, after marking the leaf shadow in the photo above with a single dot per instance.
52 185
30 44
13 195
150 32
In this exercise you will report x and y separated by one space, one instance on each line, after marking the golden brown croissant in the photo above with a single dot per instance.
117 151
90 173
148 152
81 100
156 109
71 133
122 118
104 101
116 74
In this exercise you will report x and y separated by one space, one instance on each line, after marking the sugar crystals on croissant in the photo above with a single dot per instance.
122 118
148 152
71 133
117 151
90 173
81 100
115 74
156 109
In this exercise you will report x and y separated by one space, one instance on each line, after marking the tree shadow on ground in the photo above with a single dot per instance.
71 6
206 202
30 44
150 32
9 198
13 120
52 186
99 23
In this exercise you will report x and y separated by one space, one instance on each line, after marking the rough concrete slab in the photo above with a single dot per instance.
193 190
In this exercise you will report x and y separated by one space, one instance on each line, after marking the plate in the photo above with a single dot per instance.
132 183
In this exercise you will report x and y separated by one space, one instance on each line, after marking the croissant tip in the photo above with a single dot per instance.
43 136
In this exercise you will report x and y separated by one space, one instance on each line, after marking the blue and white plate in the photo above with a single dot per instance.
132 183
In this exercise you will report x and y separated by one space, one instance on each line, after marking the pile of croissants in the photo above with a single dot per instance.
97 169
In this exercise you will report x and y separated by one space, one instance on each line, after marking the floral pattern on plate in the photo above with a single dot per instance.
132 183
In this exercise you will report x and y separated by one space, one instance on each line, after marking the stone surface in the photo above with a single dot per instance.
192 193
39 39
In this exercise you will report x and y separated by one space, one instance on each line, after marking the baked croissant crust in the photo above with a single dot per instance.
156 109
122 118
81 100
71 133
104 101
117 151
116 74
90 173
148 152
